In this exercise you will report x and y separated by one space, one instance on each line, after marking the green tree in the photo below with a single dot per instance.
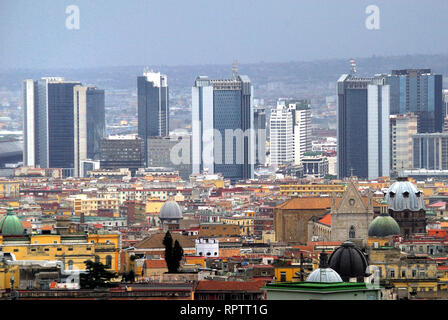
97 276
173 255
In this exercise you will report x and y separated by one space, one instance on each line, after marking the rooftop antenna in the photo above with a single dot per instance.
352 66
235 69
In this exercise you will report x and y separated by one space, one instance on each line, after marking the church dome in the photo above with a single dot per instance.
10 224
324 275
349 262
170 211
403 195
383 226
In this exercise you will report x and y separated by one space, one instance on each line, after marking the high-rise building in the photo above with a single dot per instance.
260 136
89 124
222 127
402 128
122 152
281 140
430 151
49 123
418 91
162 152
153 106
363 127
302 130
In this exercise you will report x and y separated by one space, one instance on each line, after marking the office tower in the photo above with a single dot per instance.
430 151
402 128
418 91
363 127
153 106
281 136
49 123
161 153
122 152
222 127
89 124
302 130
260 135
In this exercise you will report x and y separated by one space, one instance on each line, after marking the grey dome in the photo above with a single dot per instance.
170 211
324 275
349 262
403 195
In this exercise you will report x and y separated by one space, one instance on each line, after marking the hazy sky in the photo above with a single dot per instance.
33 33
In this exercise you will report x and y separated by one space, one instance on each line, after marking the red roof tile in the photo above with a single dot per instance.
326 220
156 264
213 285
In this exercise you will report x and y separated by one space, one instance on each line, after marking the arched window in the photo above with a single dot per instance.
351 233
70 265
108 262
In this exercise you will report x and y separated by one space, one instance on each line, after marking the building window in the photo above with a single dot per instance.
108 262
414 273
282 276
392 273
403 273
422 273
70 265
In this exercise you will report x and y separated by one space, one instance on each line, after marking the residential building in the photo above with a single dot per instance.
402 129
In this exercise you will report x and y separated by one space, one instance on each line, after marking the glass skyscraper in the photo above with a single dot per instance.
418 91
363 127
223 140
153 106
89 124
49 123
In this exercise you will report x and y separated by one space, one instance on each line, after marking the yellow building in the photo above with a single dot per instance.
246 223
289 273
416 273
71 249
304 190
153 206
90 206
9 189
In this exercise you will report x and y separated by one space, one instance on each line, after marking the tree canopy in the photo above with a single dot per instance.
173 254
96 276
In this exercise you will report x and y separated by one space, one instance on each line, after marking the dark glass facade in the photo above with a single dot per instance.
418 91
153 110
352 129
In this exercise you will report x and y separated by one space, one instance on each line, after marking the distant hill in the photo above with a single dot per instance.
261 74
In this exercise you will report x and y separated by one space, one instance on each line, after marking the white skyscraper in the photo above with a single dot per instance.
301 128
281 136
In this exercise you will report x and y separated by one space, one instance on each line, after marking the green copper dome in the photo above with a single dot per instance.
10 225
383 226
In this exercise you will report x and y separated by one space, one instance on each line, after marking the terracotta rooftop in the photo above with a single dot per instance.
156 264
213 285
326 220
156 241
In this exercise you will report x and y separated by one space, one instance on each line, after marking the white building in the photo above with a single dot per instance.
206 247
281 136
